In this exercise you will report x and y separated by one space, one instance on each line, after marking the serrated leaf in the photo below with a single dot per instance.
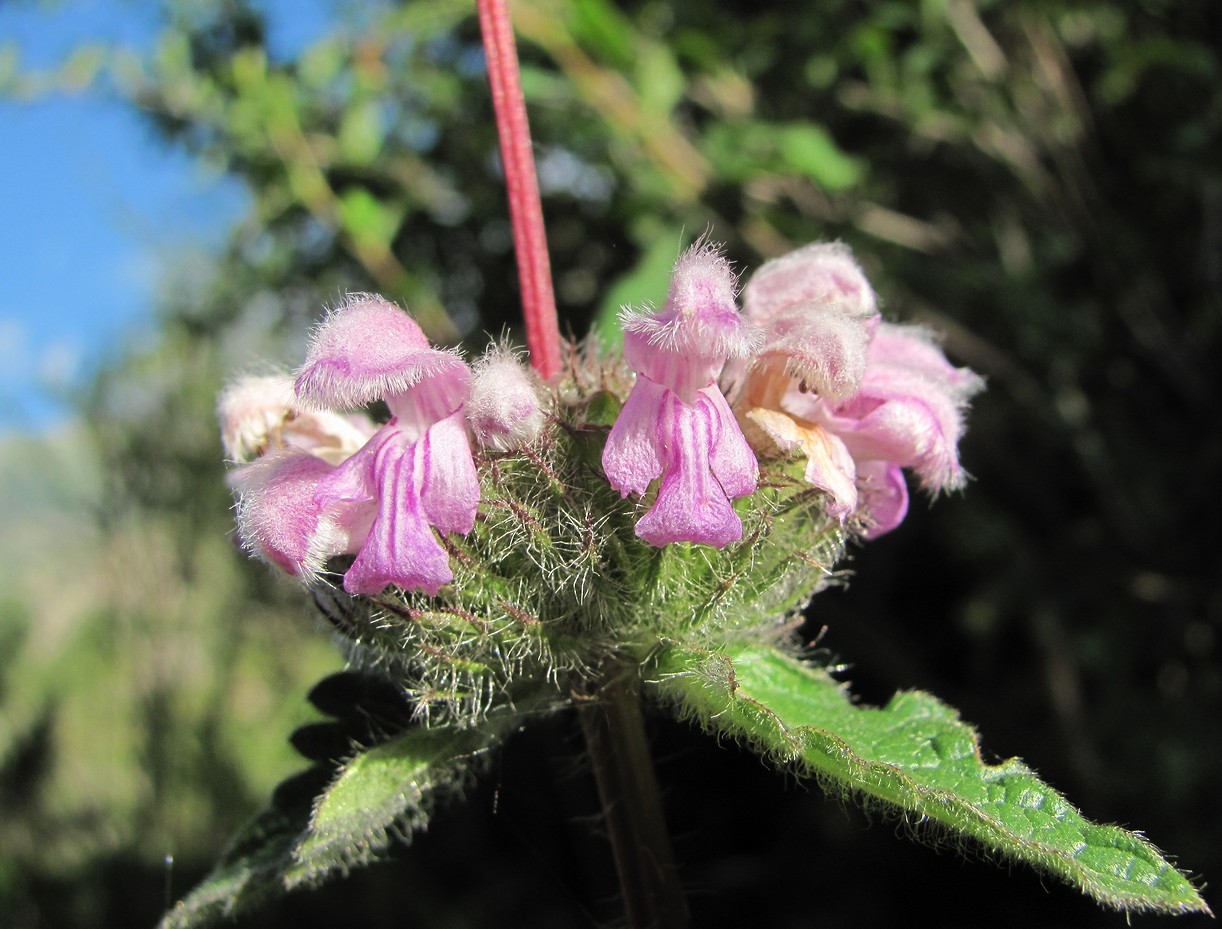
390 785
377 794
915 754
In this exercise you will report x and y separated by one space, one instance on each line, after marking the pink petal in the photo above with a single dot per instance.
819 273
354 480
449 487
684 346
278 517
819 346
691 505
401 549
365 350
914 431
915 349
910 414
818 312
731 459
434 398
632 457
884 497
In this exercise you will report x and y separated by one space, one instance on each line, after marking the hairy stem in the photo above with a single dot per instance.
525 208
632 804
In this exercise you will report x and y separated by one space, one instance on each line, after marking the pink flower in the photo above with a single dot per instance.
907 413
259 414
676 424
416 473
333 485
861 399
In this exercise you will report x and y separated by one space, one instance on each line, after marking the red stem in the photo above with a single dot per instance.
525 208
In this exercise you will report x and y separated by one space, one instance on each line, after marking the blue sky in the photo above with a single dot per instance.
92 205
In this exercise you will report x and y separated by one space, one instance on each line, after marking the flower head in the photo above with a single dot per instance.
336 484
676 423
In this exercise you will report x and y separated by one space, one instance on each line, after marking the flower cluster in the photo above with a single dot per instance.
806 368
316 492
812 370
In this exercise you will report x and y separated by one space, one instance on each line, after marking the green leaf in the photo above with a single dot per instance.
370 221
393 784
379 793
809 149
916 755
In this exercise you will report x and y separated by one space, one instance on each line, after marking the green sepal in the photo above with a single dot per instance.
917 757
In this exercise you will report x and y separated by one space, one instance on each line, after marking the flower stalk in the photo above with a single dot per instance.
632 804
525 207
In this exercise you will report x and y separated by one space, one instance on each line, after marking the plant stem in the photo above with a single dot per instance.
525 207
632 803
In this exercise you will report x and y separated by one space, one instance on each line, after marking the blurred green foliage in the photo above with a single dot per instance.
1040 180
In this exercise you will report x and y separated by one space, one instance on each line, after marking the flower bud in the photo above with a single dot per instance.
504 410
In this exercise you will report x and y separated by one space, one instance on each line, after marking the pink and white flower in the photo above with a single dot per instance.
883 397
676 424
382 502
